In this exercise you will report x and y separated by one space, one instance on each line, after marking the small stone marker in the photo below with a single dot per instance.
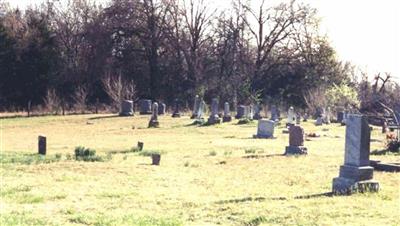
296 141
257 112
339 116
145 107
140 145
162 108
298 118
196 106
241 110
265 129
214 118
305 117
176 113
384 126
126 108
356 174
155 158
250 112
328 116
227 113
153 123
42 147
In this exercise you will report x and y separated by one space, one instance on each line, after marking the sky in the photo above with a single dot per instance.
364 32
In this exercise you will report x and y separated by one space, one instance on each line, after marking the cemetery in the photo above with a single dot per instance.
199 113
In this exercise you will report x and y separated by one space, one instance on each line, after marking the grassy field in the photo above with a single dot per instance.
215 175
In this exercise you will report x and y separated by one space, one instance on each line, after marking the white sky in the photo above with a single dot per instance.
365 32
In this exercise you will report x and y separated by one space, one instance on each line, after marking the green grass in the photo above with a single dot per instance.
211 175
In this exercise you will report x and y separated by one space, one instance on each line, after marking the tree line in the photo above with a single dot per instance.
75 53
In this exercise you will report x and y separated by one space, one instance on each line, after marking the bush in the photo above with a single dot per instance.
149 153
393 145
86 154
244 121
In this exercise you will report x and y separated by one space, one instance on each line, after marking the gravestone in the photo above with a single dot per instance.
328 116
257 112
162 108
384 126
176 113
296 141
339 116
214 118
356 174
42 146
250 112
199 114
154 117
227 113
305 117
291 117
126 108
319 112
319 121
241 110
265 129
145 107
343 122
274 113
298 118
195 107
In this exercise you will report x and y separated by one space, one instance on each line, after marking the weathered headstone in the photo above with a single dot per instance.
384 126
195 107
202 108
241 110
328 116
176 113
145 107
319 121
227 113
356 174
250 112
265 129
214 118
257 112
339 116
153 123
274 113
305 117
162 108
126 108
291 117
42 146
296 141
298 118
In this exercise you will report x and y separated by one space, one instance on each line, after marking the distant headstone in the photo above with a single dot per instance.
241 110
126 108
384 126
328 116
291 117
214 118
162 109
274 113
201 109
227 113
298 118
153 123
305 117
196 106
339 116
343 122
296 141
176 113
42 147
356 174
319 121
257 112
145 107
250 112
265 129
319 112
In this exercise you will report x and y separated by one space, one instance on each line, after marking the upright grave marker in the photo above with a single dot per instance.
296 141
227 113
176 113
356 174
154 117
145 107
214 118
126 108
196 106
42 147
241 110
265 129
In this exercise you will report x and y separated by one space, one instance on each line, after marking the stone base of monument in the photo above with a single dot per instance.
263 136
213 120
347 186
227 119
295 150
176 115
126 113
154 124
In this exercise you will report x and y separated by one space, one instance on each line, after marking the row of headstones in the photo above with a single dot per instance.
356 175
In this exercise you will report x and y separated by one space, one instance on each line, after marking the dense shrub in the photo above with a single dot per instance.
86 154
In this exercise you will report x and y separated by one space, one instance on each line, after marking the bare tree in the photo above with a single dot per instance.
119 89
52 102
80 98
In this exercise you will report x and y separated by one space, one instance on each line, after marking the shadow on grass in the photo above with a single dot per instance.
261 156
326 194
106 117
